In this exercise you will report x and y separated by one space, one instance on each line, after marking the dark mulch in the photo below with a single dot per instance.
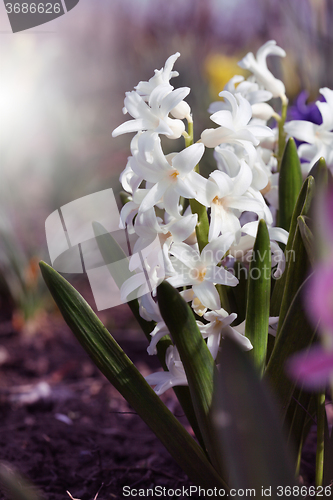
66 428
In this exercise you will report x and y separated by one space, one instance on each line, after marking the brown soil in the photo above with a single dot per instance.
65 427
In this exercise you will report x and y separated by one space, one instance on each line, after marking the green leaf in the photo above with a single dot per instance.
308 238
121 372
328 458
302 207
290 183
197 360
15 486
321 416
320 173
299 418
296 334
296 273
258 297
247 425
240 291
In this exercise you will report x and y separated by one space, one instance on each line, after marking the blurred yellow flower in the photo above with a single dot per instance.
219 69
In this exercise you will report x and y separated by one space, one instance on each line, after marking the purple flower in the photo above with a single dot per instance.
314 368
303 111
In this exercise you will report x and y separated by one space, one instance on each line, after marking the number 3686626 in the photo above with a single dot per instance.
33 8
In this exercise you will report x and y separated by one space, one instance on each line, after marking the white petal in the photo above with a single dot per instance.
241 340
132 284
153 197
213 344
221 276
185 254
243 179
207 294
186 160
184 227
302 130
262 110
215 251
130 126
159 331
278 234
171 100
269 48
171 201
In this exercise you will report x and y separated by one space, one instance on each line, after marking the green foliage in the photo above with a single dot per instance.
290 183
247 425
258 297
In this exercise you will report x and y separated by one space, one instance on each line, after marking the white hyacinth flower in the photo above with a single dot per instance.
175 376
197 306
258 67
172 176
234 127
201 270
162 77
242 250
219 326
230 157
251 92
154 115
228 197
148 226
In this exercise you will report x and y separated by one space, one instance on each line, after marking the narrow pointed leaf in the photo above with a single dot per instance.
290 183
328 458
296 334
308 238
112 252
240 291
197 360
15 486
121 372
321 416
302 207
258 297
247 425
320 173
296 274
300 417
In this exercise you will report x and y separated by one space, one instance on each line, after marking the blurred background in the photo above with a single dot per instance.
62 87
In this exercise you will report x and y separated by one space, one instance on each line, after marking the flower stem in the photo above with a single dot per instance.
320 439
189 137
202 227
282 134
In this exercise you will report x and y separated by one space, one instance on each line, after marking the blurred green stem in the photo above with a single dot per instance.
282 134
189 137
320 439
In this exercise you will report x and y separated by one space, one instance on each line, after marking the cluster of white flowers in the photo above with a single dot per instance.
245 180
